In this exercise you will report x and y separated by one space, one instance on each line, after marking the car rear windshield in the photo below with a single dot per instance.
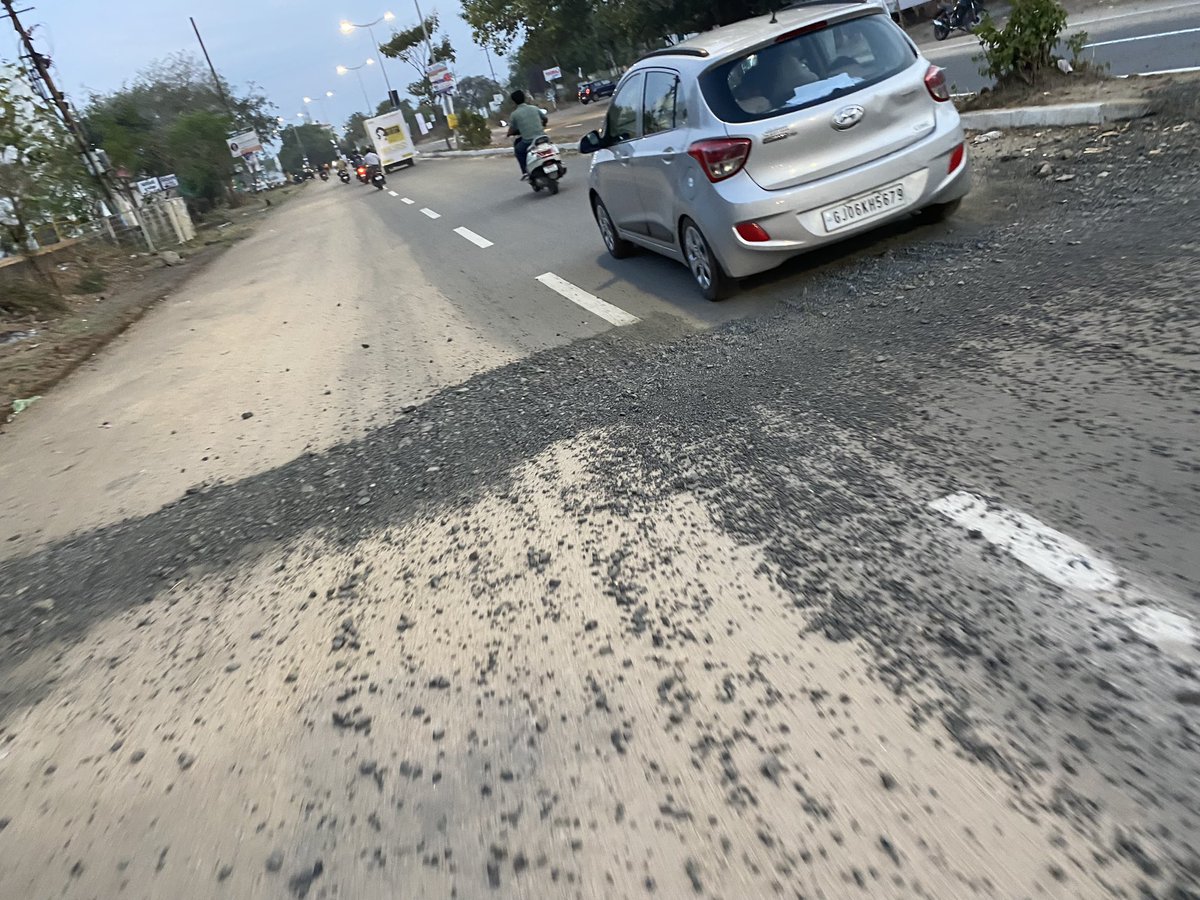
814 65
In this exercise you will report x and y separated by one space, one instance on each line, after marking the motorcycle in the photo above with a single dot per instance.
372 175
324 175
543 162
344 176
964 16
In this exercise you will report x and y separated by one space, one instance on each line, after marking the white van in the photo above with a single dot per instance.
393 142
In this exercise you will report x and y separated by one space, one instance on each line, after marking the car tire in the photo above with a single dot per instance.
706 269
618 247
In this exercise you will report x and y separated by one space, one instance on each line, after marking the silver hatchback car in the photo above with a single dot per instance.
744 146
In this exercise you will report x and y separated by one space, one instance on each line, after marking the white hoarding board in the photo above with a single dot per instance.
246 142
441 79
148 186
552 74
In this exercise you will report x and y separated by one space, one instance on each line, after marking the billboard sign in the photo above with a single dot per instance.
554 73
441 79
148 186
243 143
166 182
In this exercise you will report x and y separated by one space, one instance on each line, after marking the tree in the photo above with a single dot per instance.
312 142
409 45
476 91
197 145
42 176
132 124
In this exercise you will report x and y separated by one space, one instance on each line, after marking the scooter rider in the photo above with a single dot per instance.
371 161
527 123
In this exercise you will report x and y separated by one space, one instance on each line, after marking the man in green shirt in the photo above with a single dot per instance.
526 124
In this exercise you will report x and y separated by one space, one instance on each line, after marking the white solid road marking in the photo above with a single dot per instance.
473 237
406 200
590 302
1141 37
426 211
1161 72
393 193
1049 552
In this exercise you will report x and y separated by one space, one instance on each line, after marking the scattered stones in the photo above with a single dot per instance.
247 415
300 883
275 861
355 720
185 760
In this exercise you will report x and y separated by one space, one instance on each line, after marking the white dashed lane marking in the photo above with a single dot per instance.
393 193
1049 552
473 237
406 200
590 302
426 211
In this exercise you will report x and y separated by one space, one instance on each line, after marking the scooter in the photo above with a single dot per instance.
344 176
543 162
375 177
324 175
964 15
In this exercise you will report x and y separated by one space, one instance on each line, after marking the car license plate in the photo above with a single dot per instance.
877 203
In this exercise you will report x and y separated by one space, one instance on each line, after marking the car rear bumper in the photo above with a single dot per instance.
792 217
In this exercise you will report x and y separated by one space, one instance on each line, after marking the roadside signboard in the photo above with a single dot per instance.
243 143
441 79
166 182
148 186
554 73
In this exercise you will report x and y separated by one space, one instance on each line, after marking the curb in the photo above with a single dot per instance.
1058 115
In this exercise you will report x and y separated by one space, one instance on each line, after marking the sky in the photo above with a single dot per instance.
290 48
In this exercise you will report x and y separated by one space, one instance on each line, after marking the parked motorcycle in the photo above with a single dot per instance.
543 162
964 16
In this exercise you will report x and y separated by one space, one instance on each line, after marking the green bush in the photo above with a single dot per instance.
473 130
1024 47
91 282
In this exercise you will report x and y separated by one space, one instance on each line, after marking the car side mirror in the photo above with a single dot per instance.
591 142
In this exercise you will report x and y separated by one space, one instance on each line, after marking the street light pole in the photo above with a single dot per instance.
347 27
342 70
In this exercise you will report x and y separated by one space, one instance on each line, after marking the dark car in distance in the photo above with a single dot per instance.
594 90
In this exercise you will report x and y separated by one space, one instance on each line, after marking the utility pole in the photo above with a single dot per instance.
247 169
42 65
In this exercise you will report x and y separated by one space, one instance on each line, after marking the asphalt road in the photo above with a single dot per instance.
369 565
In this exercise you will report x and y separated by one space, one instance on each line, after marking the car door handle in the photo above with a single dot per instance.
668 156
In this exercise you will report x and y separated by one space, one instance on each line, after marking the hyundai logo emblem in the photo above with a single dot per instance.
847 117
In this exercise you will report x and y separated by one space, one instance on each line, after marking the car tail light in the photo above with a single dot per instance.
935 83
752 232
721 158
956 157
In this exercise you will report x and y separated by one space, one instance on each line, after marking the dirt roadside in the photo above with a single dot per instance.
37 352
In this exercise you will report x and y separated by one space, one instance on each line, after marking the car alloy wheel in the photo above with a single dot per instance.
703 265
618 247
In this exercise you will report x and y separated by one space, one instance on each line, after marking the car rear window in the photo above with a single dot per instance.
810 67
